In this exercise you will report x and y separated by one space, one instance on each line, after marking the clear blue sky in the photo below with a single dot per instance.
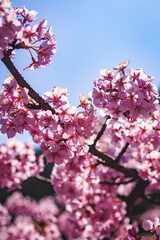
90 35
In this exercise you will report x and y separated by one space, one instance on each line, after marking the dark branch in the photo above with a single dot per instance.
21 82
137 192
152 198
122 152
109 162
99 135
118 183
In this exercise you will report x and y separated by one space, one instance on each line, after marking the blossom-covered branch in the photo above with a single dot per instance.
98 171
21 82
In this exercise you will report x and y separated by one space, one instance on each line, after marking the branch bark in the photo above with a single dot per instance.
122 152
137 192
109 162
22 82
99 135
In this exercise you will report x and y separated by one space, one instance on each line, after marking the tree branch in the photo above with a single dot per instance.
140 186
155 198
99 135
22 82
122 152
137 192
117 183
109 162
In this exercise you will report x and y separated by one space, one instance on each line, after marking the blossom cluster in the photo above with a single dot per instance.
93 211
18 30
17 163
143 139
138 129
64 138
24 218
61 135
88 190
76 177
151 226
131 94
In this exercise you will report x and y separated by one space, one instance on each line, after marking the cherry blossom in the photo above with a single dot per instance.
18 162
99 162
30 219
126 94
17 32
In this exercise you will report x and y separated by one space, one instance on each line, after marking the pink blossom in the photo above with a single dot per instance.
121 66
28 35
28 16
4 5
17 163
148 224
85 102
15 25
4 216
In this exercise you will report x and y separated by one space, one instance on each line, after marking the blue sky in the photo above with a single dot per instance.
91 35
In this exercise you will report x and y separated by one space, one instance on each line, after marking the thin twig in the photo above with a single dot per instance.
117 183
99 135
122 152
